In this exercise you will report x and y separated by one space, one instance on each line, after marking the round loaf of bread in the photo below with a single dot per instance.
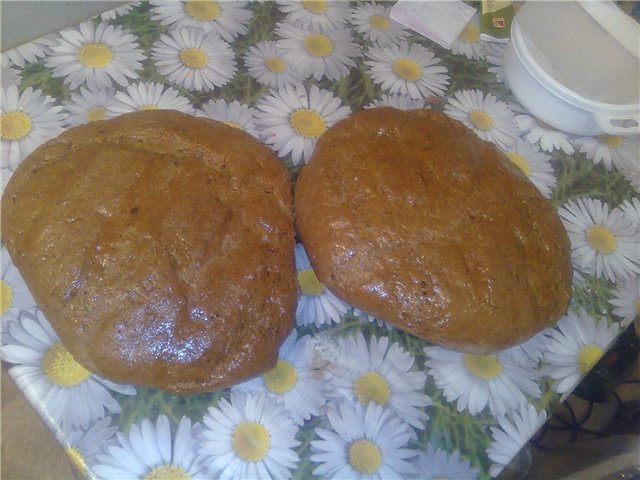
160 248
410 217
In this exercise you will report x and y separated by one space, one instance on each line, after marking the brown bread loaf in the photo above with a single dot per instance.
412 218
160 248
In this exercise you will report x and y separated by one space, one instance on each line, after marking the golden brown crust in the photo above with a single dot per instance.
160 248
412 218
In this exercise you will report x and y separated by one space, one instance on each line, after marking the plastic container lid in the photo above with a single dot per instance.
592 48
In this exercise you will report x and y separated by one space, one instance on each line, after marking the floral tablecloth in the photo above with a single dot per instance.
350 396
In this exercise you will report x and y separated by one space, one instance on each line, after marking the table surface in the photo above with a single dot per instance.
469 427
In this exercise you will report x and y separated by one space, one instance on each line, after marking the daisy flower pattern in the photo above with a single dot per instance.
153 451
50 377
626 301
610 150
488 117
316 304
8 75
249 436
266 64
399 101
382 375
317 54
14 293
322 15
118 11
364 442
409 70
374 23
148 96
537 132
27 120
82 447
88 105
494 54
29 52
434 464
291 120
96 55
631 211
294 382
498 381
227 19
534 164
468 42
512 435
631 172
234 114
575 347
603 243
194 59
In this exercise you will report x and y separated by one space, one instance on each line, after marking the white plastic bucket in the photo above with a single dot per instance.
576 66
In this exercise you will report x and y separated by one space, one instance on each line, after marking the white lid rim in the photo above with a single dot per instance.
557 88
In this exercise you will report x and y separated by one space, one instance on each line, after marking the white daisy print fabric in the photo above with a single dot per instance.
153 450
318 54
226 19
489 118
363 442
407 69
382 374
249 436
575 347
50 377
500 382
96 55
348 395
316 304
291 120
28 119
194 59
603 242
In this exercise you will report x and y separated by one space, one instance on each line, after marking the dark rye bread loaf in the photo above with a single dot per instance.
412 218
160 248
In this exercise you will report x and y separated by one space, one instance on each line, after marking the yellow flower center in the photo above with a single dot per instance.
167 472
486 367
481 120
372 387
588 357
202 10
601 239
407 69
309 283
308 123
315 6
275 65
251 441
95 55
520 161
61 369
612 141
365 456
282 378
194 58
6 297
318 45
77 459
148 107
15 125
470 34
379 22
233 125
96 113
